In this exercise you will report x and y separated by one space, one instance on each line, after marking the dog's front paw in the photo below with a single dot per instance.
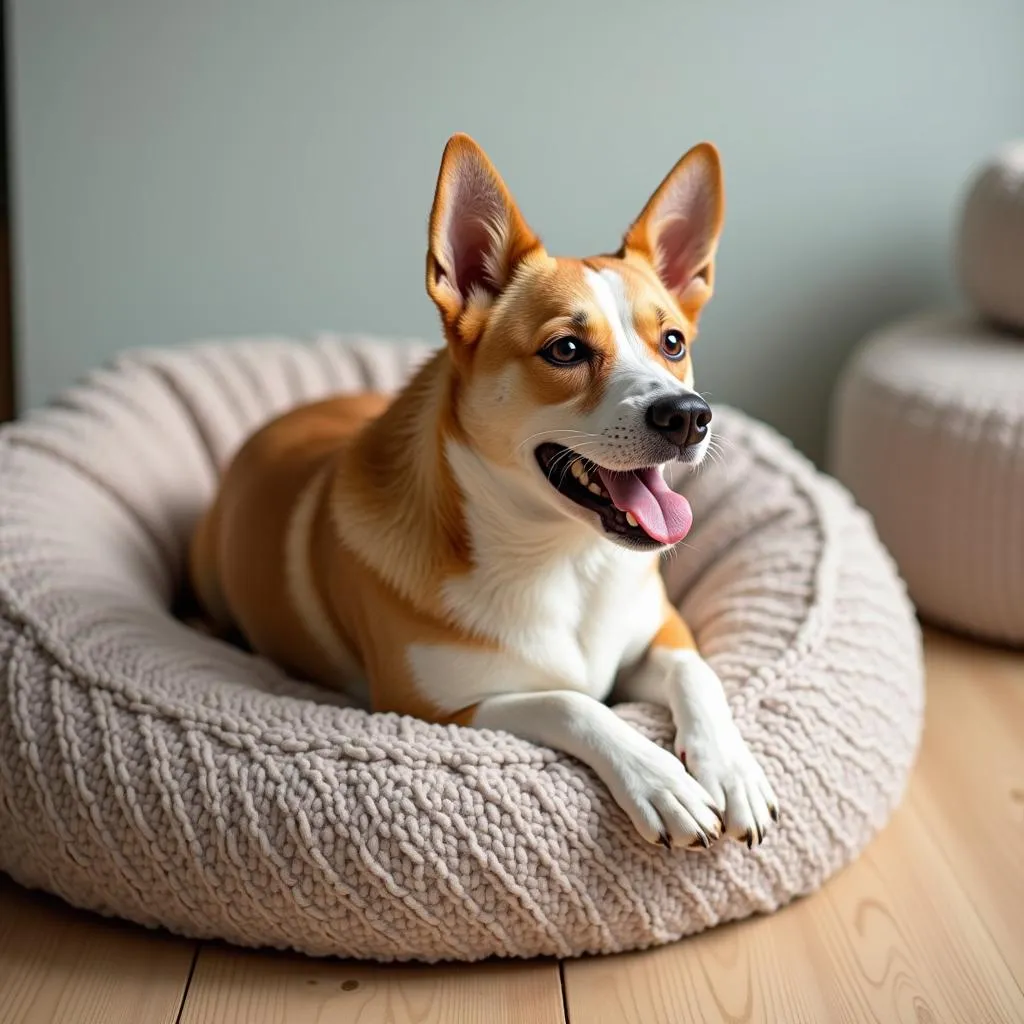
724 766
664 802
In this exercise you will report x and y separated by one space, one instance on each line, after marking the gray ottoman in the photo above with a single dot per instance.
928 433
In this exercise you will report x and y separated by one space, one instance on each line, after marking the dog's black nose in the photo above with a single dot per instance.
681 419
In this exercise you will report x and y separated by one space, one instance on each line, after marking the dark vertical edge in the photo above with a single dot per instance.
564 991
7 360
188 983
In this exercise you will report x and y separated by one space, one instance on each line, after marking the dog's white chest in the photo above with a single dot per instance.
572 621
558 608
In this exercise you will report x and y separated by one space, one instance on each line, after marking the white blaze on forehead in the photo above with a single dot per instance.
610 296
609 292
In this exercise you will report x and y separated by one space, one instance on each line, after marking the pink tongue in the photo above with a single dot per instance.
664 515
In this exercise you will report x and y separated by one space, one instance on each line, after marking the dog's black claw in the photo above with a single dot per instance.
665 841
720 815
760 836
749 836
774 812
702 838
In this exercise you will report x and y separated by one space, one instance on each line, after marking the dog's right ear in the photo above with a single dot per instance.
477 238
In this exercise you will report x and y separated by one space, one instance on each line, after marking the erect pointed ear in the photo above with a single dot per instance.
677 232
477 237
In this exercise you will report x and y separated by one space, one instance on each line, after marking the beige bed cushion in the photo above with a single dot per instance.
928 433
149 772
990 241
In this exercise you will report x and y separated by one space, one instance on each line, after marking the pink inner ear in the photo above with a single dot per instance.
469 240
683 230
677 252
472 226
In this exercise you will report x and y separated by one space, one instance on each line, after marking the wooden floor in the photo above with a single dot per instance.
927 926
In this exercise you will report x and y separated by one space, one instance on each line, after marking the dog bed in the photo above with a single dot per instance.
929 435
154 773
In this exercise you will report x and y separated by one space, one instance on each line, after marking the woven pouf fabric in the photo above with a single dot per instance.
154 773
928 433
990 239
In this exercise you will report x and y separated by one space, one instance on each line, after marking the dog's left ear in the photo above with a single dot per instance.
477 238
678 230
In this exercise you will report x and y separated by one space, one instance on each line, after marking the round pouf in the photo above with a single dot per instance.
928 433
990 243
154 773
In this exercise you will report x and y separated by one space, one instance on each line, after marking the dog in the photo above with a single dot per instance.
483 548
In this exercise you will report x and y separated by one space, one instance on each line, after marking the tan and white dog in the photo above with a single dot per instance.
483 549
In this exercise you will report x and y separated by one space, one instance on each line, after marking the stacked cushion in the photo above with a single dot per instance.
990 243
928 433
928 425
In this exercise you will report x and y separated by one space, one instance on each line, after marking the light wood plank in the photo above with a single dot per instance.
969 786
233 986
901 941
915 930
759 970
68 967
893 938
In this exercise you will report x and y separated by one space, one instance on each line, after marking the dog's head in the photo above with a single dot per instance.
575 374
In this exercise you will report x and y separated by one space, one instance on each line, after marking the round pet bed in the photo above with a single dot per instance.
160 775
990 241
929 435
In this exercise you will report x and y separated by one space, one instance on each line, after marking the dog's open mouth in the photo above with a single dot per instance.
637 505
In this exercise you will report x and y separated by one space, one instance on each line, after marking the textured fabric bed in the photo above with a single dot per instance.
154 773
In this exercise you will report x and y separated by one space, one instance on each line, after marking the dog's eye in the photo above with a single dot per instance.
565 351
673 345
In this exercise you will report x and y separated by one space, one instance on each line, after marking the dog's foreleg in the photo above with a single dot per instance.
674 675
651 785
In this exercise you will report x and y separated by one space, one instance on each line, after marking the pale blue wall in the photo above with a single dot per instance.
223 166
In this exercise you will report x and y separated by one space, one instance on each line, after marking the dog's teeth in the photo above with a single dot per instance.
576 469
631 519
594 488
583 478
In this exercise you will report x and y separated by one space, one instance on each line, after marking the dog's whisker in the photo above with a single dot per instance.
567 468
560 432
567 464
570 452
713 460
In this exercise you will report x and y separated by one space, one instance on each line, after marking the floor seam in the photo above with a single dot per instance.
564 991
188 982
